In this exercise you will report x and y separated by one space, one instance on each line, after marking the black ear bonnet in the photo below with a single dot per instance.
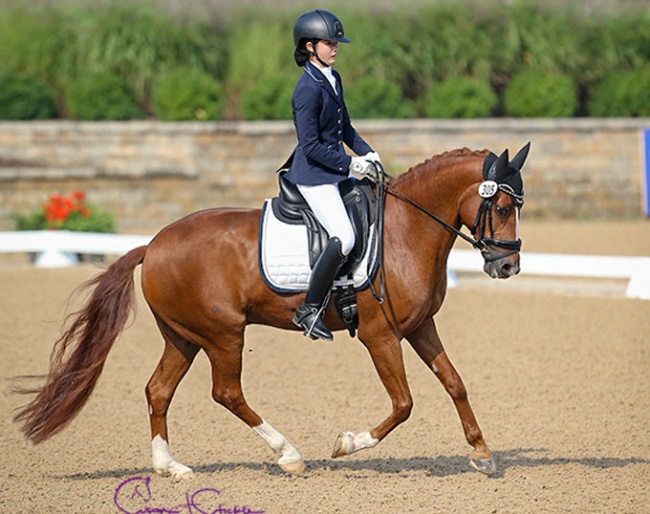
507 174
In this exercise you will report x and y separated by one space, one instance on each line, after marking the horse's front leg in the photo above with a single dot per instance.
387 357
426 342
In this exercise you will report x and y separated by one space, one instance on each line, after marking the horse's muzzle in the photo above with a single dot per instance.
500 267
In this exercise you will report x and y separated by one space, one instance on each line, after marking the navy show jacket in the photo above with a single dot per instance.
322 124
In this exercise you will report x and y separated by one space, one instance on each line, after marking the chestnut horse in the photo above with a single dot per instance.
201 280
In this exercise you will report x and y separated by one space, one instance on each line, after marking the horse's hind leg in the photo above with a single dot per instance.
426 342
226 361
174 363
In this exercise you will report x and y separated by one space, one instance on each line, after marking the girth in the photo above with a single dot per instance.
290 207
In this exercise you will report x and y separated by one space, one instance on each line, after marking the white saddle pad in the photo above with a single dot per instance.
284 259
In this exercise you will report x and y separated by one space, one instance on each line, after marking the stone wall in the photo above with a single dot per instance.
151 173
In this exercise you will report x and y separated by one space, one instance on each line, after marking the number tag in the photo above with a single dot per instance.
488 189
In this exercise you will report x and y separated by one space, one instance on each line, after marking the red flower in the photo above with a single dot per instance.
59 208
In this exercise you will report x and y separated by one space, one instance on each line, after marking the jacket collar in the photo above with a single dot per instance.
319 77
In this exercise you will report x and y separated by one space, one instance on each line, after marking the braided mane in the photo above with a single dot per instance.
441 160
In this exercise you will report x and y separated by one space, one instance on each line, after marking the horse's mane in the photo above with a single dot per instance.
442 160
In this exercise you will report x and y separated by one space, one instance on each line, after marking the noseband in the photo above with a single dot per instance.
484 220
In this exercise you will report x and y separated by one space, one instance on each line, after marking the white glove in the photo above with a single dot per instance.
372 157
359 165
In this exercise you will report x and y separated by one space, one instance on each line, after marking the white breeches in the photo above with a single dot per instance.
326 203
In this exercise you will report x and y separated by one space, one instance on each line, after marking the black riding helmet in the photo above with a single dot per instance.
313 26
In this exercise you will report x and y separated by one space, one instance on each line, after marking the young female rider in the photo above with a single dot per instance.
319 161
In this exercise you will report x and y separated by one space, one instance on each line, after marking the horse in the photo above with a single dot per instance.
200 278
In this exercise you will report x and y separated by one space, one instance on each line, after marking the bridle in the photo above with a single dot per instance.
499 174
482 221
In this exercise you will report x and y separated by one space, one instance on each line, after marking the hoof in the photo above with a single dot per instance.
296 467
341 446
177 475
180 472
485 466
188 475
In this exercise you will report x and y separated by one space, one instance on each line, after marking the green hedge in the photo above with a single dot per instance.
459 97
188 94
540 94
25 97
268 99
623 93
101 96
374 98
406 52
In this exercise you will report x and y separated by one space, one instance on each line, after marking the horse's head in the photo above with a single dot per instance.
491 210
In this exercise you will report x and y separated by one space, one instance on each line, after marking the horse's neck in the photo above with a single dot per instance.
423 243
437 186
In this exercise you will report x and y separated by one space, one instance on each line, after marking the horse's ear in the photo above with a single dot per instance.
519 159
501 166
488 165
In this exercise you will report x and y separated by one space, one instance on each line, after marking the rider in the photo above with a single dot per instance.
319 161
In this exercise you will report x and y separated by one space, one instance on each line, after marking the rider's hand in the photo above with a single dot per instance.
372 157
360 165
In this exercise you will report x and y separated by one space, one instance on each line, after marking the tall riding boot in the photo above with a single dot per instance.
310 314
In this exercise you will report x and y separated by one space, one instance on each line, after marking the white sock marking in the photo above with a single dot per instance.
278 443
163 461
360 441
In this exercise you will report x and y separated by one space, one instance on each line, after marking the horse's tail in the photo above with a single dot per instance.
79 355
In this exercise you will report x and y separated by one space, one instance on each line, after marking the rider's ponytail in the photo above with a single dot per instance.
301 56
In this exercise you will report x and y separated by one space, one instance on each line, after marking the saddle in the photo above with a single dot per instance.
358 197
290 207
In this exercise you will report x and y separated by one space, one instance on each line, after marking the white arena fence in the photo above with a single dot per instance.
58 248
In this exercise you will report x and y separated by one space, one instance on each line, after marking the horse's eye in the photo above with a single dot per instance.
502 211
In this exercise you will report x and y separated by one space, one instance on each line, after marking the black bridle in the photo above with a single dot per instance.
483 219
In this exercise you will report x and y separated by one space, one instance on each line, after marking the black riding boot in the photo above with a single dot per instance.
310 314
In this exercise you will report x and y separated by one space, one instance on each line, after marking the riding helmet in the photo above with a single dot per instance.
318 24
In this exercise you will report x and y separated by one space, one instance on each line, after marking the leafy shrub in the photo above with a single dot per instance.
448 39
622 93
66 212
101 96
537 93
34 37
410 44
541 35
260 45
24 97
377 48
373 98
187 94
138 41
459 97
268 99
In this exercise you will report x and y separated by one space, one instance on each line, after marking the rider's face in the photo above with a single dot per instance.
326 50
